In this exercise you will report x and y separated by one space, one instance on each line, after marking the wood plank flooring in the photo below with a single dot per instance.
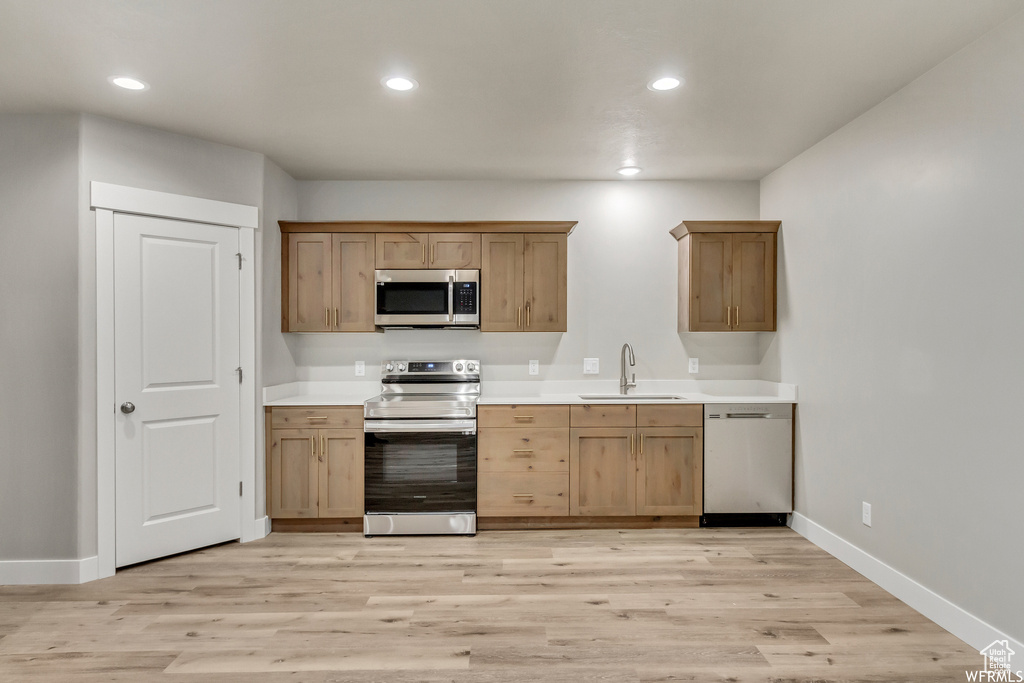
739 605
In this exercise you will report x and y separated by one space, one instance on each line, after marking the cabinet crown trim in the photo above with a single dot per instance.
562 227
686 227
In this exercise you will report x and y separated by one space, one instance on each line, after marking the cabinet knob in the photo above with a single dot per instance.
127 407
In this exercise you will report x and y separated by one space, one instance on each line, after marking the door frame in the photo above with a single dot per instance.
106 200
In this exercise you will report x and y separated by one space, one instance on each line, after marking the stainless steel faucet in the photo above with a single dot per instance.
624 384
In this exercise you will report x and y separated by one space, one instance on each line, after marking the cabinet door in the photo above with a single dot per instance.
292 479
670 479
753 281
401 250
341 472
602 472
309 283
710 282
354 257
544 283
501 285
454 250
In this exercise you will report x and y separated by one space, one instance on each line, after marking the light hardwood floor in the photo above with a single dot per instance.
736 605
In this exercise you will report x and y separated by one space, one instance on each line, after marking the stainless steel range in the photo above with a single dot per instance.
420 450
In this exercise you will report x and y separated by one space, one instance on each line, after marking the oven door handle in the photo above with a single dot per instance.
420 426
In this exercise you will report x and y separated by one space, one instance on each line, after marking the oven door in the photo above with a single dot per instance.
420 466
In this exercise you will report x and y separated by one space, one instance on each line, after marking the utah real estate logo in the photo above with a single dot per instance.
997 664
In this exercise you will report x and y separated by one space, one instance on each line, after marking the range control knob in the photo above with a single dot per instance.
389 367
458 367
471 367
401 367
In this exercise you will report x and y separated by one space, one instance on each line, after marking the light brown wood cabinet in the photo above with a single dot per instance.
437 250
629 460
327 282
523 283
727 275
314 462
523 461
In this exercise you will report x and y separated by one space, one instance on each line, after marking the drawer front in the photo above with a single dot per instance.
523 450
523 416
690 415
516 494
615 415
334 417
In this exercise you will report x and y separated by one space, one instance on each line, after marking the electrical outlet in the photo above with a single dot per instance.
591 366
694 366
865 513
360 368
534 367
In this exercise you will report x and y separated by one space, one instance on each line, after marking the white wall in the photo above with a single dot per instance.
128 154
38 336
622 276
900 319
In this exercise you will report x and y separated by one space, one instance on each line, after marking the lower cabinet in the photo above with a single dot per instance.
315 470
523 461
627 460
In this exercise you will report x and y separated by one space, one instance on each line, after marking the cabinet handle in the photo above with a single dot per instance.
527 315
335 317
316 417
433 247
522 417
522 450
323 447
522 495
641 444
327 317
312 446
631 444
519 316
737 316
423 253
728 316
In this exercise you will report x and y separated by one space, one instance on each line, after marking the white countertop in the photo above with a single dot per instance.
547 392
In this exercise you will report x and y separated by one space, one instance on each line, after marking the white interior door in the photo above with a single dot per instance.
176 344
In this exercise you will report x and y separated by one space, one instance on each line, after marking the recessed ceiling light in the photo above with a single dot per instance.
629 170
666 83
401 83
128 83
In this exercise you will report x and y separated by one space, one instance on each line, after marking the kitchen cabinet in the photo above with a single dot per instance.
629 460
727 275
523 283
327 282
314 462
523 461
437 250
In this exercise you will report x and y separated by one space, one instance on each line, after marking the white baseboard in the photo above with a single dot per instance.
35 572
956 620
261 528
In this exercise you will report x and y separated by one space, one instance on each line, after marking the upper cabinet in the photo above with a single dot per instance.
328 282
523 283
327 270
727 275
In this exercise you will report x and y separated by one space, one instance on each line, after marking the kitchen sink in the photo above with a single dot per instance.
631 397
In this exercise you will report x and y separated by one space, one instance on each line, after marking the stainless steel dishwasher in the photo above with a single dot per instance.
748 458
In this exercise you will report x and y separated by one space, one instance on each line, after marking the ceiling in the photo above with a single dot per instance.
509 89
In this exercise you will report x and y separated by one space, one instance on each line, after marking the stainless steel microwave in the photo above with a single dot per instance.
427 298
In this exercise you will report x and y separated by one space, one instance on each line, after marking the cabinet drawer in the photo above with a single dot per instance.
615 415
523 416
691 415
519 494
335 417
523 450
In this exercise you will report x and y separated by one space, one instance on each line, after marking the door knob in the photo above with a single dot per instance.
127 407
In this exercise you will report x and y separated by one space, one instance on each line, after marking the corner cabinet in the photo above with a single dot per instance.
727 275
327 277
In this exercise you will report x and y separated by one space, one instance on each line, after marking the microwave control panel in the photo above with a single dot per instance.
465 298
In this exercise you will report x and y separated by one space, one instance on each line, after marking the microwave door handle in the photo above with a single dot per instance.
451 298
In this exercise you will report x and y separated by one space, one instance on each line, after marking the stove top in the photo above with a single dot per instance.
447 389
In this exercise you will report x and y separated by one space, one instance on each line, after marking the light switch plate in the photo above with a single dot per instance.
865 514
591 366
534 367
360 368
694 366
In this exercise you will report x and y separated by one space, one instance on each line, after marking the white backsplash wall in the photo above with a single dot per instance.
622 277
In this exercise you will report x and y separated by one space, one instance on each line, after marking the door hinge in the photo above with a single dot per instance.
239 371
239 488
239 255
